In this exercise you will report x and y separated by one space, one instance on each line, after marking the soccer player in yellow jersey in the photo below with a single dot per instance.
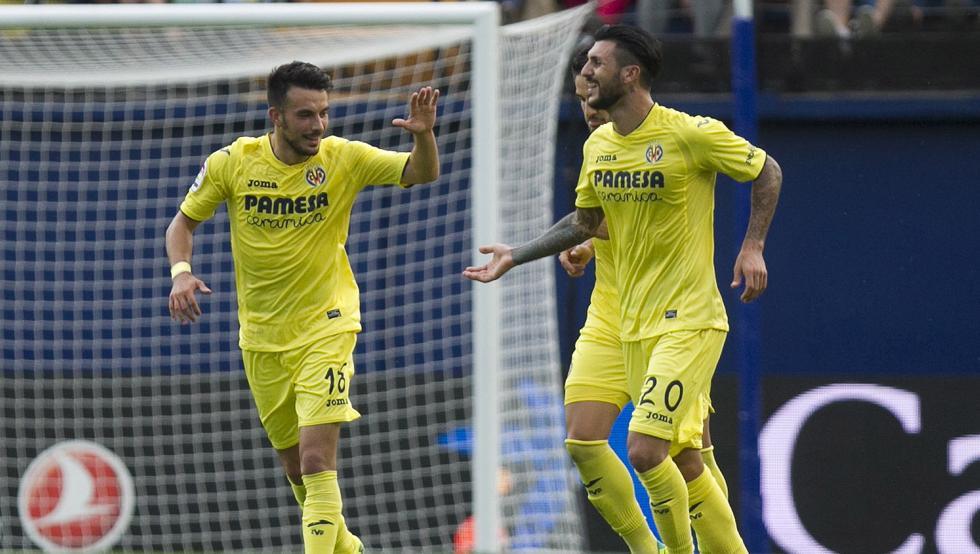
289 196
650 175
596 388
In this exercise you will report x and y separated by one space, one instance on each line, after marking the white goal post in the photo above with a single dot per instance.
499 88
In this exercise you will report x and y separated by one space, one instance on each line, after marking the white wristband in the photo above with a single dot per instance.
178 268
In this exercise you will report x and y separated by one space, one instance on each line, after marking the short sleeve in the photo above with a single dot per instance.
715 147
210 187
373 166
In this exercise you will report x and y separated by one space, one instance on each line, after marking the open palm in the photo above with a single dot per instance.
421 111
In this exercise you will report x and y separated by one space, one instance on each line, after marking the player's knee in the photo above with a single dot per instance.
314 462
645 452
690 464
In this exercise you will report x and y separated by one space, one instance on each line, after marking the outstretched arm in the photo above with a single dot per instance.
572 229
750 264
180 243
423 163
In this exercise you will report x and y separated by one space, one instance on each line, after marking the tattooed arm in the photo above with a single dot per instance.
572 229
750 264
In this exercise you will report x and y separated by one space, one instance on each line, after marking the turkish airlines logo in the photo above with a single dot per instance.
77 496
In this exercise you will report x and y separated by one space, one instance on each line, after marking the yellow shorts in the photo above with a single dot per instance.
598 372
670 384
309 385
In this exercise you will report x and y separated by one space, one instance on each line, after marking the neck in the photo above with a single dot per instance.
282 151
630 111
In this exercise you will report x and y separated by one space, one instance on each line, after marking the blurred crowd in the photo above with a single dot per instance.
710 18
801 18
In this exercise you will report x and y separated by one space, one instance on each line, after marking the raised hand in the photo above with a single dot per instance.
421 112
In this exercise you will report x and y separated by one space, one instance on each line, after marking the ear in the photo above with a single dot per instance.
275 115
630 74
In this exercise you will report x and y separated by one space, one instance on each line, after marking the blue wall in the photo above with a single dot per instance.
875 253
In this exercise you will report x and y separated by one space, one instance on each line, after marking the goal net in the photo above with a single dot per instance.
102 132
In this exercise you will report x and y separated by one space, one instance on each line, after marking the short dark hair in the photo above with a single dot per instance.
295 74
580 58
634 46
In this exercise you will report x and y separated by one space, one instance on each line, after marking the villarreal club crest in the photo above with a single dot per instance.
316 176
654 153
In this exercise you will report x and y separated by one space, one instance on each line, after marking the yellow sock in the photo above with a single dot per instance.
610 489
712 517
347 542
668 500
321 512
299 491
708 455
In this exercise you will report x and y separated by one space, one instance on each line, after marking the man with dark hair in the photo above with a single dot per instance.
289 196
634 47
596 389
650 176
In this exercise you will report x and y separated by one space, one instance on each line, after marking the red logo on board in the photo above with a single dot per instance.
76 496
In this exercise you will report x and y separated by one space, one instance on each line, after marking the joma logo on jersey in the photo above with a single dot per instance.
256 183
628 179
285 206
605 158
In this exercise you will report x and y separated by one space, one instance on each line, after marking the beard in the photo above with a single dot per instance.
299 145
608 96
297 142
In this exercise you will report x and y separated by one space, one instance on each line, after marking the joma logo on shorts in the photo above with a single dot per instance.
661 417
336 402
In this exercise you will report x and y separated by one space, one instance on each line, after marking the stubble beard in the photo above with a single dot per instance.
298 144
606 100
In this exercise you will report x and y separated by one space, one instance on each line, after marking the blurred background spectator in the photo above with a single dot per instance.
708 17
840 18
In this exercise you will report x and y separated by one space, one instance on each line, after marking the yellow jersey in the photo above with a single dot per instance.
656 187
604 303
289 227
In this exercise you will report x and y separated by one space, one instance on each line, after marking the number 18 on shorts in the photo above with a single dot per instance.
309 385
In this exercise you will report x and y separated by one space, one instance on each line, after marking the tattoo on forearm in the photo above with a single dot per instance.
568 232
765 196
